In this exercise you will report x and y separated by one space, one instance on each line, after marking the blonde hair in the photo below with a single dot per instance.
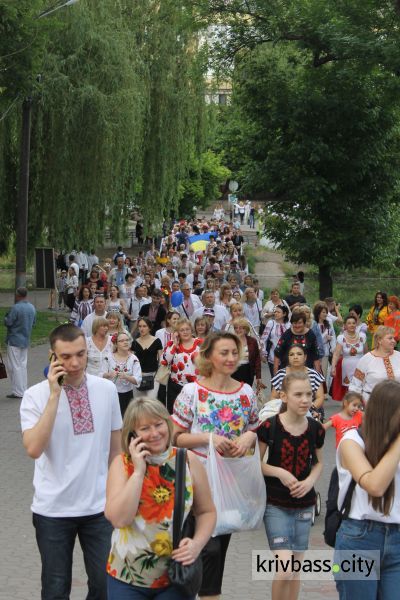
139 408
118 316
380 333
242 322
97 323
235 305
203 362
180 322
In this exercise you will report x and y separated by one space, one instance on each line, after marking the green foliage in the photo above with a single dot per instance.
117 116
324 144
202 183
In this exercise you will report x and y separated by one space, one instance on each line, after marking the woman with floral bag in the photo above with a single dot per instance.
123 368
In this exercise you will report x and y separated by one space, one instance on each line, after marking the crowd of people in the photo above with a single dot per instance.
167 347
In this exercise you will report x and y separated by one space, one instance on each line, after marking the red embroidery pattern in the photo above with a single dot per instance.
388 367
81 412
302 457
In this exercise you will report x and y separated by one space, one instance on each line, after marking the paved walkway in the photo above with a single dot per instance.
19 558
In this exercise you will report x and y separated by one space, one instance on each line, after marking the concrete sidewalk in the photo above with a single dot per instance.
19 557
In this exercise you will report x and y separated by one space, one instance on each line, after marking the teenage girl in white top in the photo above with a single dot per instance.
373 524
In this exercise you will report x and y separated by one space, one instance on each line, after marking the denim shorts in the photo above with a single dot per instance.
288 528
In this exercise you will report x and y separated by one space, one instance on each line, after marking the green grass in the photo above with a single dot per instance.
7 279
45 323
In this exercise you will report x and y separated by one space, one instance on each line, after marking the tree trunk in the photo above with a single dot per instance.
325 282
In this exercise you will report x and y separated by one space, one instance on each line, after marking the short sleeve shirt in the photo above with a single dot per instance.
201 410
294 453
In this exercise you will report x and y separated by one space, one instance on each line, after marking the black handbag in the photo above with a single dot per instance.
187 578
3 371
147 383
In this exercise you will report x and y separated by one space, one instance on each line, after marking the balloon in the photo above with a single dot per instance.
176 299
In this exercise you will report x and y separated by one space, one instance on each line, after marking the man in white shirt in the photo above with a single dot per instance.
72 430
138 301
221 314
99 305
195 276
117 274
190 303
252 308
82 260
92 260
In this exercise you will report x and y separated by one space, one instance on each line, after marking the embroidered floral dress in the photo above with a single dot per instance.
140 553
202 410
352 352
182 361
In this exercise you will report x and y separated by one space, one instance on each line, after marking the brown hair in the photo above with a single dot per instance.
350 396
287 382
203 362
65 333
201 320
380 428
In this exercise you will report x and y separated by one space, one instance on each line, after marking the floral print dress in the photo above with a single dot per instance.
140 553
229 414
181 361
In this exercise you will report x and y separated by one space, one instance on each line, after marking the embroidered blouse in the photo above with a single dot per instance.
131 366
182 361
229 414
140 553
371 370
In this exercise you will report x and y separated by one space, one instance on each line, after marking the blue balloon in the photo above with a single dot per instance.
176 299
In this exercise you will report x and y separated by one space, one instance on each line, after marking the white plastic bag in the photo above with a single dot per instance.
238 491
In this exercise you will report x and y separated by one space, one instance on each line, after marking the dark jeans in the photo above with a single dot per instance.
55 538
124 399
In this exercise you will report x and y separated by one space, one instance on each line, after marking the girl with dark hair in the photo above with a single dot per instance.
297 364
377 313
356 311
83 306
372 461
299 334
274 330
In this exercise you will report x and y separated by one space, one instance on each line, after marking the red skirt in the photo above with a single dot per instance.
338 390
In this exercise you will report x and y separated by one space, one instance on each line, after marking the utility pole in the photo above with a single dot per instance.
23 196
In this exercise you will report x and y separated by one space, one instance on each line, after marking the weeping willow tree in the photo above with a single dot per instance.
116 116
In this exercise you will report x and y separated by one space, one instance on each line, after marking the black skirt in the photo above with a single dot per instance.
173 391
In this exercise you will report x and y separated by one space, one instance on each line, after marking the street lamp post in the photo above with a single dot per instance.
21 232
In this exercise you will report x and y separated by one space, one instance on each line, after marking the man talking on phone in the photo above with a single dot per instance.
71 426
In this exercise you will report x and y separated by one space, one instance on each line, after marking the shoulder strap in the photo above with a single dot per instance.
272 429
179 506
346 506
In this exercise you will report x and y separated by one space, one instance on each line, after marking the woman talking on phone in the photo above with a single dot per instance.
140 505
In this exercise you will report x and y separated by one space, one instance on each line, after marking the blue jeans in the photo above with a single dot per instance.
288 528
55 538
119 590
371 535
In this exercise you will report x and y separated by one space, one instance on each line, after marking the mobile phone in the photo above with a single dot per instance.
132 436
60 380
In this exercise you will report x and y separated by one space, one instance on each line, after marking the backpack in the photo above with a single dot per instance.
312 437
334 516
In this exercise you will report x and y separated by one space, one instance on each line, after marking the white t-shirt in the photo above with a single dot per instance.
360 507
70 475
